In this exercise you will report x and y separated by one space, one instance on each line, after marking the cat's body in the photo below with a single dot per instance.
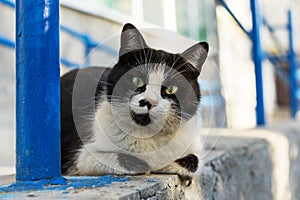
138 117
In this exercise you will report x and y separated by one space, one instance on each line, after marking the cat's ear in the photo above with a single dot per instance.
196 55
131 39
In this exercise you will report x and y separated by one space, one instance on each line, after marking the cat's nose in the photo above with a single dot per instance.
145 102
152 101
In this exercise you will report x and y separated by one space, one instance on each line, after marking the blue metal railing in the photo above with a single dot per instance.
259 55
293 69
37 90
88 42
257 58
8 3
3 40
6 42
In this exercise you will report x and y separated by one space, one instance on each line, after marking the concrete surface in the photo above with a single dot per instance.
242 169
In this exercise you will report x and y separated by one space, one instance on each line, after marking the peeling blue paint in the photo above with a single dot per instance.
152 181
8 196
61 183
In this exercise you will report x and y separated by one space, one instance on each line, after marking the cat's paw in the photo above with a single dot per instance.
185 168
189 162
132 164
185 180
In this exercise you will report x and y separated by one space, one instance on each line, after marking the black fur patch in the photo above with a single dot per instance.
140 119
73 136
132 163
144 102
190 162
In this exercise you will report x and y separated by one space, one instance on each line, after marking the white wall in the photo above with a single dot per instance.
7 92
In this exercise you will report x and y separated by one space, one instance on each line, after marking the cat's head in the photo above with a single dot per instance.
152 89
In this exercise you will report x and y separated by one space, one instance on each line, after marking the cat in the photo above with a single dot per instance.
138 117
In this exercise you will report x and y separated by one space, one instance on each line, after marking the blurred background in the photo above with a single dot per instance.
90 31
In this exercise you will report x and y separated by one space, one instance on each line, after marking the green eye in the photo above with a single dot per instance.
138 82
171 90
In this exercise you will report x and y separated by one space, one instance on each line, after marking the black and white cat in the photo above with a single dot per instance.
138 117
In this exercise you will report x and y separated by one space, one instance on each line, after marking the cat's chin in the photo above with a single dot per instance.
148 118
141 119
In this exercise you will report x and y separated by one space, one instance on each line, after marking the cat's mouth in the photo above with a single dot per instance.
140 119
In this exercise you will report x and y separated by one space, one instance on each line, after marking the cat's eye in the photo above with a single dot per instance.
171 90
138 82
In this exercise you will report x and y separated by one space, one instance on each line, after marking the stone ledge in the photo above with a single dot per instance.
242 169
254 164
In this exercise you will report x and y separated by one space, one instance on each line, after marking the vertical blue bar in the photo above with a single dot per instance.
38 89
293 68
258 58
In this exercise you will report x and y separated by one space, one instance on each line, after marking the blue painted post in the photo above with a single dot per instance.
258 58
38 89
293 68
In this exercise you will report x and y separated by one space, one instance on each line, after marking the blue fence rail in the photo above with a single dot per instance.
8 3
6 42
90 44
293 69
258 54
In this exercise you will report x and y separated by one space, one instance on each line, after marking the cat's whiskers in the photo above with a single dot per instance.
83 106
169 71
179 74
184 115
115 98
137 60
172 121
150 58
144 51
171 68
142 68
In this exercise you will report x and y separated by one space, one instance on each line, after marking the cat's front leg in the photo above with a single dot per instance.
133 164
102 163
185 167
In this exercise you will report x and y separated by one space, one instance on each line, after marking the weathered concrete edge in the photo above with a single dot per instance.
242 171
283 140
